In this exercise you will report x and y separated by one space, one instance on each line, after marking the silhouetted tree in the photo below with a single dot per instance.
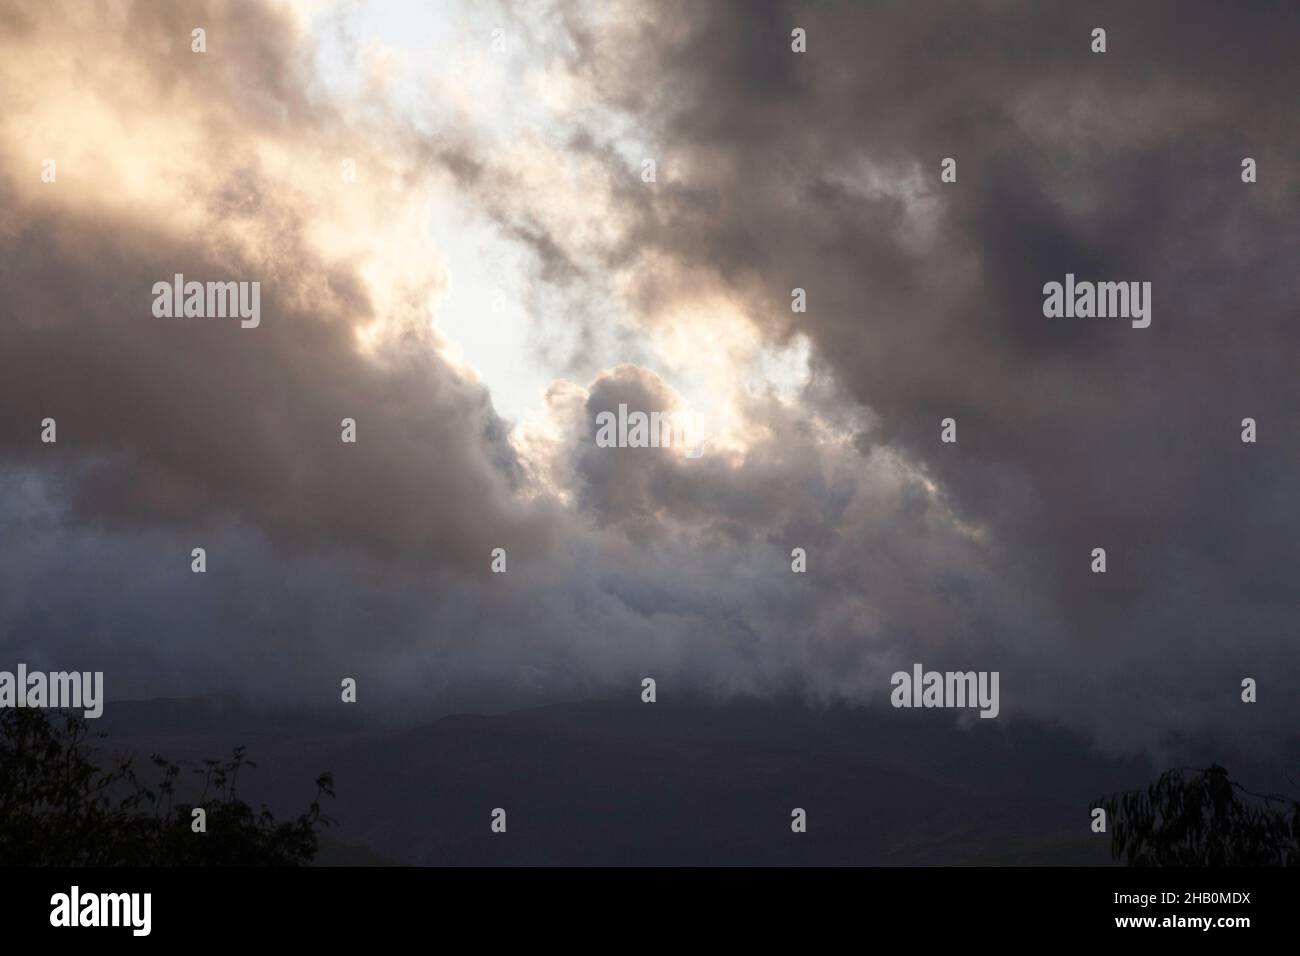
1208 820
58 808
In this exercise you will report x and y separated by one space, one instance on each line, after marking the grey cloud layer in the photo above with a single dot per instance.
818 171
193 421
821 171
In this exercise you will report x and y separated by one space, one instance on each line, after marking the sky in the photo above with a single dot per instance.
500 272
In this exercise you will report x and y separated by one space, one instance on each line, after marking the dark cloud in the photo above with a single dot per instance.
190 422
822 171
818 171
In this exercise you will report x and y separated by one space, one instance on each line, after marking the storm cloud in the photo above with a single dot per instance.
775 171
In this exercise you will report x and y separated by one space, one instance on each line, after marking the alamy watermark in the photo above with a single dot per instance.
651 430
946 689
1102 300
60 690
211 300
75 908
